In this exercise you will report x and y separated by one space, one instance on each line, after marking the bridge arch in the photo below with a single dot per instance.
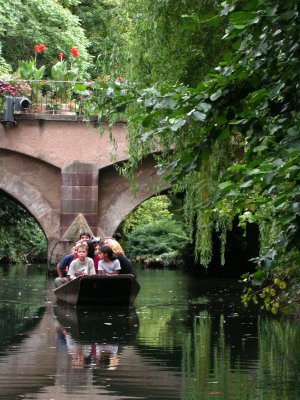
27 181
115 205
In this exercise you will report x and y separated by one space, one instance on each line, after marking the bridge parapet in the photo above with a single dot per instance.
44 96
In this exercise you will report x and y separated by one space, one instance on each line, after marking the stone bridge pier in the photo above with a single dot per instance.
97 201
62 170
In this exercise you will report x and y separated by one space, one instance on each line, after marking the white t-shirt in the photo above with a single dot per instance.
77 267
110 267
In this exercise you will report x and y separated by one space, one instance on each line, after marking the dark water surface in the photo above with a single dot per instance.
185 339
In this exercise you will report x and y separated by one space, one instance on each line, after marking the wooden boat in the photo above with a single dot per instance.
104 290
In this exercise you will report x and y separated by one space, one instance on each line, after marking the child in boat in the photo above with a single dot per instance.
125 264
96 256
108 264
63 265
82 265
84 237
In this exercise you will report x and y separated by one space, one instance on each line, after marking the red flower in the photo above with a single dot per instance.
60 56
74 52
38 48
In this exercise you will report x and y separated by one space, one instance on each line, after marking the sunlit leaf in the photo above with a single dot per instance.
226 185
216 95
199 116
241 19
177 124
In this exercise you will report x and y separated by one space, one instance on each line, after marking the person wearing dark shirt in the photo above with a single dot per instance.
126 265
63 265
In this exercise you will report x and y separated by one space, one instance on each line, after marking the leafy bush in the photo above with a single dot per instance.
160 242
23 24
151 210
21 239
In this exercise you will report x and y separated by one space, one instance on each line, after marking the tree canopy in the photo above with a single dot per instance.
25 24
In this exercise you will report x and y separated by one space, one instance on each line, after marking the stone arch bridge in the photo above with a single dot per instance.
62 171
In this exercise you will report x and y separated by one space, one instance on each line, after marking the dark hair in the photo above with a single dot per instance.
108 251
84 234
91 248
117 236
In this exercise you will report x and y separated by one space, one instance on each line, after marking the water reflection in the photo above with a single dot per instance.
185 339
94 336
22 294
96 348
212 366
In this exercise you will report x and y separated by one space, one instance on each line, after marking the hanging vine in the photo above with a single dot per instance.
246 109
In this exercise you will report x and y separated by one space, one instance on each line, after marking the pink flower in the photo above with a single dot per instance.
74 52
60 56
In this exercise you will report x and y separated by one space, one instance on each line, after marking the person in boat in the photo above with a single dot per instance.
84 237
93 247
108 264
96 255
82 265
126 265
63 265
93 251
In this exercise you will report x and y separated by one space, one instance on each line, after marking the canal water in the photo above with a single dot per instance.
186 338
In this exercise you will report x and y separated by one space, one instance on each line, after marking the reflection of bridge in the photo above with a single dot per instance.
61 170
39 368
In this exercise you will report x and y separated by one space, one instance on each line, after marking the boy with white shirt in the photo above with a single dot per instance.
82 265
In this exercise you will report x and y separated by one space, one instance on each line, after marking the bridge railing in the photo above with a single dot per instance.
45 96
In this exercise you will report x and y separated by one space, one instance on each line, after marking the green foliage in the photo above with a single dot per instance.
160 242
61 72
21 239
208 357
101 23
144 219
248 104
4 66
154 209
69 3
163 326
25 24
29 71
280 295
163 42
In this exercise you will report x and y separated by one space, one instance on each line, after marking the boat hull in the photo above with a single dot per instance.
104 290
